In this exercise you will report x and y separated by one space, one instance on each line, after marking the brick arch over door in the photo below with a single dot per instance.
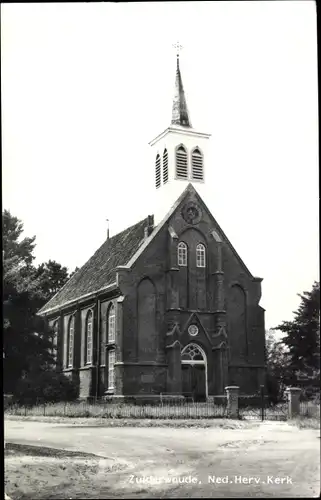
237 331
193 280
146 319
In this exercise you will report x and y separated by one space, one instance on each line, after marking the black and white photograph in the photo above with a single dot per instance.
160 248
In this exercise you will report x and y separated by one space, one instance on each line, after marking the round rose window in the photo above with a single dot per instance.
193 330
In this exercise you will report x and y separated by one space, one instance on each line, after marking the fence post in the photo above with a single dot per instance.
293 394
44 410
262 402
232 392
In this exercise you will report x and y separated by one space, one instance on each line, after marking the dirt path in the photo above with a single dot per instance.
270 460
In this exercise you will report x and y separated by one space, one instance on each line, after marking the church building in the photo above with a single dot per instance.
165 308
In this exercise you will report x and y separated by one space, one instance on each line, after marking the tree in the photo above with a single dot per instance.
27 340
277 360
15 252
51 387
50 277
17 256
302 338
19 341
73 272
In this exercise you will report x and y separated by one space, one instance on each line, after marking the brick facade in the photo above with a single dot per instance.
156 301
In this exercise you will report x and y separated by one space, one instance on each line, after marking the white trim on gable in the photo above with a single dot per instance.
158 227
172 233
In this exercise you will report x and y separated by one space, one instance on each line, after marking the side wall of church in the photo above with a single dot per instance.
90 379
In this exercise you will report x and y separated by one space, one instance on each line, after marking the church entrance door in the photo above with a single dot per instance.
194 372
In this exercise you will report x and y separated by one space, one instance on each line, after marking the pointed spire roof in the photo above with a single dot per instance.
179 110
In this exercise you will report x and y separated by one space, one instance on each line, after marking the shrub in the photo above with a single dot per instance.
46 387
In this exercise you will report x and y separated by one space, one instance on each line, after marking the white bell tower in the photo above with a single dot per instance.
179 154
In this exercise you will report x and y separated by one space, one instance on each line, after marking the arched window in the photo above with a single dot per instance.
111 324
200 255
70 342
89 338
181 163
182 254
55 329
158 171
111 369
192 352
165 166
197 165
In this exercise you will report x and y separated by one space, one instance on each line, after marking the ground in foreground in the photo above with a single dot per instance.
51 461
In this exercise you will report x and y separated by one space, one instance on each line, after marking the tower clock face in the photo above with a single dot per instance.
192 213
193 330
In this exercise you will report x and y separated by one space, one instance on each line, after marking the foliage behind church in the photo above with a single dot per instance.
295 360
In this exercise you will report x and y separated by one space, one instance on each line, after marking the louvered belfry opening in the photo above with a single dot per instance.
165 166
197 165
181 163
158 172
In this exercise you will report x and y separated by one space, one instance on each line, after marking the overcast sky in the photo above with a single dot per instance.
86 86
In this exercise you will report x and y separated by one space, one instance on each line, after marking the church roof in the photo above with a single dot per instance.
180 114
100 270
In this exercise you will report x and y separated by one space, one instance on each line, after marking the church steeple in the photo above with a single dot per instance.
178 153
180 114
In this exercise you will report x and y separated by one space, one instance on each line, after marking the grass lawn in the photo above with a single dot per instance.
223 423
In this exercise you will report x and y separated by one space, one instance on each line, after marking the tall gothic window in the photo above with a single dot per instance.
158 171
55 333
165 166
197 165
111 324
70 342
182 254
89 338
181 163
200 255
55 329
111 369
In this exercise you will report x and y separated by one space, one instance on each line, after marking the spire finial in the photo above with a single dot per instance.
178 48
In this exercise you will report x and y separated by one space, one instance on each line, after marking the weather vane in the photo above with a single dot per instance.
178 48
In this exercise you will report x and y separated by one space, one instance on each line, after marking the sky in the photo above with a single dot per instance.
86 86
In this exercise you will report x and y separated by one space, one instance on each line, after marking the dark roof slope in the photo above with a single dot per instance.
100 270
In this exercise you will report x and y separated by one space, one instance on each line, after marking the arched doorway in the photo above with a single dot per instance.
194 372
